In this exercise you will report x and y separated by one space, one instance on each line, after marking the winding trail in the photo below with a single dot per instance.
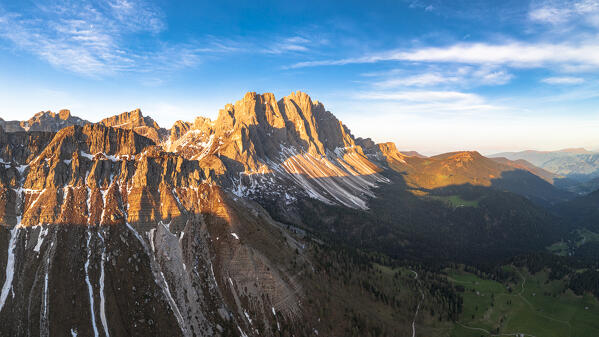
519 294
419 303
517 334
532 307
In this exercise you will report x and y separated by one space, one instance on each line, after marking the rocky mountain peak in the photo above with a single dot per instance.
129 119
44 121
136 121
293 142
64 114
262 125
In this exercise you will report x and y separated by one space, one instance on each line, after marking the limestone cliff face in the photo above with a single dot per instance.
256 147
136 121
286 147
222 272
43 121
104 233
98 175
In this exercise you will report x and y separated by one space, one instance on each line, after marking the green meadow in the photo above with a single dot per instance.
533 307
455 201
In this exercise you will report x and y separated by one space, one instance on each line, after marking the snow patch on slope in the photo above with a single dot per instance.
89 286
40 239
10 265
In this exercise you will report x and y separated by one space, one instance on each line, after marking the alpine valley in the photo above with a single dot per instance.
274 220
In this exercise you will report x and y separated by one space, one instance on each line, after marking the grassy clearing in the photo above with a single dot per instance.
536 307
563 248
559 248
586 236
455 201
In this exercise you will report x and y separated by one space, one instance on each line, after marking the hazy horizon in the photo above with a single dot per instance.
429 76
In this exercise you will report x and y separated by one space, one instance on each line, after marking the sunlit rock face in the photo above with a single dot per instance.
104 233
136 121
284 148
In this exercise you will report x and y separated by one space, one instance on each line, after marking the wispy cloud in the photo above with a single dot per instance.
422 96
419 80
565 12
296 43
563 80
292 44
515 54
462 76
137 15
91 38
429 101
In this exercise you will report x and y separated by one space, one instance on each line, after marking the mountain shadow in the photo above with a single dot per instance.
484 226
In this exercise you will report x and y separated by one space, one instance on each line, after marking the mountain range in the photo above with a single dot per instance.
218 227
577 168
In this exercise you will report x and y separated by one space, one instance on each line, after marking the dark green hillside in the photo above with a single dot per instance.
582 211
490 226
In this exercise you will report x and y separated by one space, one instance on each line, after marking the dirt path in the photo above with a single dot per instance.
419 303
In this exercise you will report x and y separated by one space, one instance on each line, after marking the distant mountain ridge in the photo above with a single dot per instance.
577 162
43 121
468 167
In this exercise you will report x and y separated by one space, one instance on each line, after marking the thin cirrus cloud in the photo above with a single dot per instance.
420 80
430 101
461 76
91 38
421 96
294 44
563 80
559 13
82 37
515 54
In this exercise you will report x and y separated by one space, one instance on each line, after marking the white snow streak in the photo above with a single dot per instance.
10 265
102 299
243 334
247 316
87 155
162 283
89 286
46 289
40 239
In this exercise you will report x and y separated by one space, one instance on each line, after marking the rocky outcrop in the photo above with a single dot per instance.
136 121
223 272
104 176
151 245
44 121
283 147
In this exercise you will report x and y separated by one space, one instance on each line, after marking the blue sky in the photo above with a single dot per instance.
432 76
